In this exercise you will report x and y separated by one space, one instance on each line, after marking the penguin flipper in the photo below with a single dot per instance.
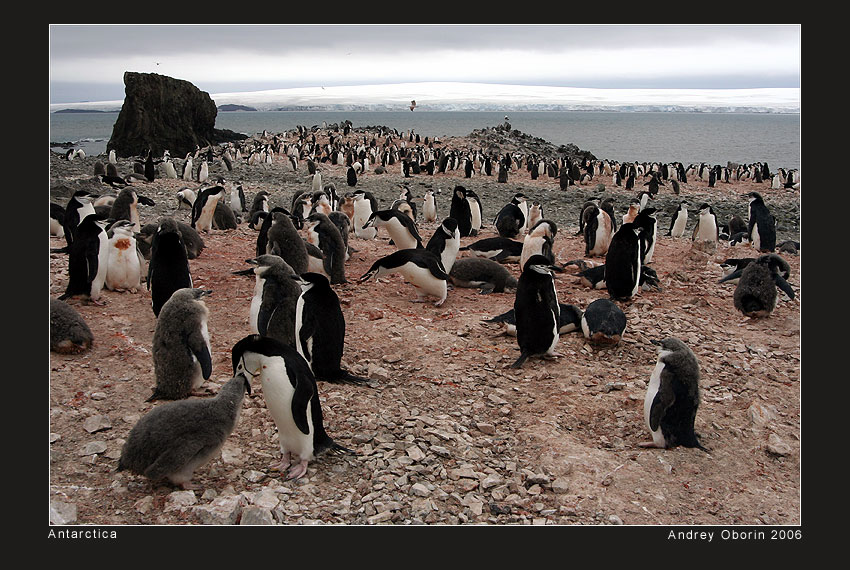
520 361
783 285
733 275
173 459
199 348
304 392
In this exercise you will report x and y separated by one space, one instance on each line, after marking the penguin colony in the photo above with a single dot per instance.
296 329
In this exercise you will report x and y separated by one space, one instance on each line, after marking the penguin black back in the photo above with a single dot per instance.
460 211
536 310
168 269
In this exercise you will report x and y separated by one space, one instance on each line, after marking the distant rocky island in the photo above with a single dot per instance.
226 108
82 111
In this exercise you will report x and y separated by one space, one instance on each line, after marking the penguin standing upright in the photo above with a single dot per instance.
363 209
761 228
706 228
126 207
623 262
420 267
603 323
755 295
599 228
203 210
399 226
185 197
292 398
168 269
182 354
259 204
649 236
679 221
343 225
175 439
475 212
539 241
351 177
237 200
511 219
320 329
80 205
284 240
445 243
69 333
324 234
276 292
536 310
672 397
429 207
88 257
124 263
460 211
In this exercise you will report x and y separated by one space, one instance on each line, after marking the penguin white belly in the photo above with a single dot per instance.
256 302
429 210
134 217
197 373
204 222
532 245
450 251
651 251
56 228
124 271
707 231
169 171
476 214
102 266
679 227
424 281
278 393
361 216
400 235
651 391
600 246
755 239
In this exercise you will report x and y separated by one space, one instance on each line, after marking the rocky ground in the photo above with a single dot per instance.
445 432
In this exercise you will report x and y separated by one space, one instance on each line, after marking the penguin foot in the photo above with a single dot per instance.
650 444
298 471
96 302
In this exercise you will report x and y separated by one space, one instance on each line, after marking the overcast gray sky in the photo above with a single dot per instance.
87 62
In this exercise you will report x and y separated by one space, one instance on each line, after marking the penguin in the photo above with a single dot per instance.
510 220
126 207
429 206
603 323
649 236
320 330
346 206
460 211
475 212
535 213
706 228
445 243
259 204
343 225
175 439
276 292
188 167
69 333
569 320
501 249
185 197
789 246
351 177
292 397
325 235
679 221
57 219
203 172
672 397
539 241
599 228
284 240
203 210
634 208
80 205
364 206
224 218
420 267
124 261
755 295
761 228
237 200
192 240
182 354
536 310
168 270
88 257
401 229
623 262
486 274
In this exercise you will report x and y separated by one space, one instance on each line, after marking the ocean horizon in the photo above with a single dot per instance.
634 136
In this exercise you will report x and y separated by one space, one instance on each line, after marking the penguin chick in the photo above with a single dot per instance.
292 398
755 295
181 349
672 397
69 333
124 263
175 439
324 234
490 276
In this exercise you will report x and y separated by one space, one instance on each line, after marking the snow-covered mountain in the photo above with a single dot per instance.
454 96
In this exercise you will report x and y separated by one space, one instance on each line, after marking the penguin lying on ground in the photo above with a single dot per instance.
569 320
69 333
672 397
182 358
175 439
292 398
603 322
501 249
420 267
490 276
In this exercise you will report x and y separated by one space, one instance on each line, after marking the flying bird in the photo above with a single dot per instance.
413 104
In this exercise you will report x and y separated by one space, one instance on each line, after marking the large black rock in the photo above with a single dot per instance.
162 113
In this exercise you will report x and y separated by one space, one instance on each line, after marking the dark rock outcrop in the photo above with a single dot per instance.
162 113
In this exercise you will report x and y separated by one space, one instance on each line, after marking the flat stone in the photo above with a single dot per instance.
254 515
62 513
420 490
776 446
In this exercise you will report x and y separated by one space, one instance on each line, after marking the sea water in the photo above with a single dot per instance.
713 138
